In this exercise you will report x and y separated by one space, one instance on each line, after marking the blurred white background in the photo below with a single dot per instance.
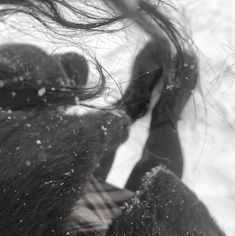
207 128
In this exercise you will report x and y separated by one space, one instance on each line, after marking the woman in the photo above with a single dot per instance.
49 159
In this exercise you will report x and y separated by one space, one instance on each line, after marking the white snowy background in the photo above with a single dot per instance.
207 127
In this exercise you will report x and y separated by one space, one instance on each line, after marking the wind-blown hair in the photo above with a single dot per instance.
71 17
52 13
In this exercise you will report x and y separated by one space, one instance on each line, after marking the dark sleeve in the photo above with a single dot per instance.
164 206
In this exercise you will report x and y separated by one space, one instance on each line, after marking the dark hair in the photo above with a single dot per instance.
70 17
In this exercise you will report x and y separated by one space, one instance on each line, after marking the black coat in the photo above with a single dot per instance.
47 157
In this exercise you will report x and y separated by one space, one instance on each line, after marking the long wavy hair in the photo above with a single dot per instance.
66 17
